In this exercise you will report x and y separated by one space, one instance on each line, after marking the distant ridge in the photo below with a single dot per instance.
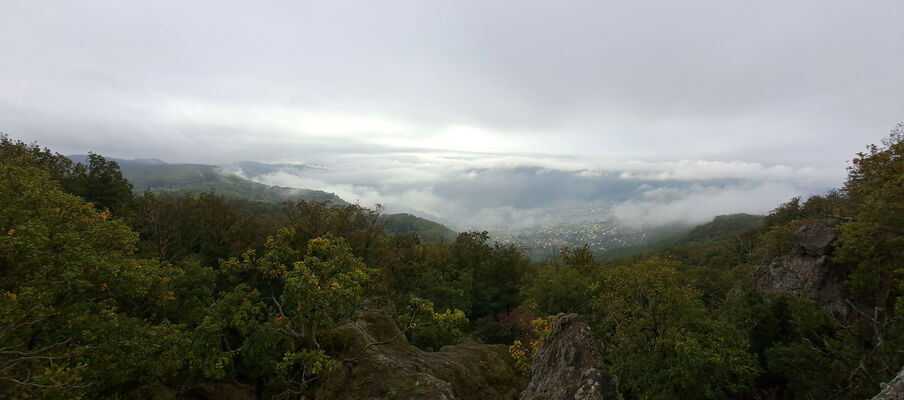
427 230
253 168
721 228
161 177
83 158
197 178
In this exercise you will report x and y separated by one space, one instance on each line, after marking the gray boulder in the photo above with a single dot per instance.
815 239
568 366
893 390
807 271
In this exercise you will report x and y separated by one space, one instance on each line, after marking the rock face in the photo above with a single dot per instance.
815 239
893 390
398 370
569 366
806 271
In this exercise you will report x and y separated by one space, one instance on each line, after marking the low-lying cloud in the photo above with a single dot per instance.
511 193
698 204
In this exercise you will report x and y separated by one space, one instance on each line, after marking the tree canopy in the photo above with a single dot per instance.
108 294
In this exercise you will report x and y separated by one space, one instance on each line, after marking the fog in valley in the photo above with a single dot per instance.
500 194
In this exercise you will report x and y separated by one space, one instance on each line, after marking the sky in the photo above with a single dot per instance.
406 102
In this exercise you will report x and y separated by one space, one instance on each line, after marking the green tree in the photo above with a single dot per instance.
578 257
358 225
873 240
552 290
206 226
100 182
871 247
19 153
797 344
660 339
495 271
267 327
74 298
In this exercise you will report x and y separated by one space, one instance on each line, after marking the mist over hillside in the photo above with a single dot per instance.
506 196
159 176
539 209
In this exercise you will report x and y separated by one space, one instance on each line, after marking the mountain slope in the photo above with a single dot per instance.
428 231
720 228
196 178
158 176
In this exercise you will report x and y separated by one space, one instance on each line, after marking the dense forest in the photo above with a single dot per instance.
109 294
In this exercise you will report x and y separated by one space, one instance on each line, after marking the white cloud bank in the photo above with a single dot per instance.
505 192
699 204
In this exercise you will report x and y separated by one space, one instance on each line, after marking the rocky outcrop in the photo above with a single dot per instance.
893 390
815 239
569 366
397 370
806 272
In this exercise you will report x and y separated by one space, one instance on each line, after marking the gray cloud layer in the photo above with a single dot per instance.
765 93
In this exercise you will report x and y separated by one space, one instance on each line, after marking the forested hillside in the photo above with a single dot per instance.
197 178
109 294
720 228
427 231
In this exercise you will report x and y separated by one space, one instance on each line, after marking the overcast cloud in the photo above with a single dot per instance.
421 103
